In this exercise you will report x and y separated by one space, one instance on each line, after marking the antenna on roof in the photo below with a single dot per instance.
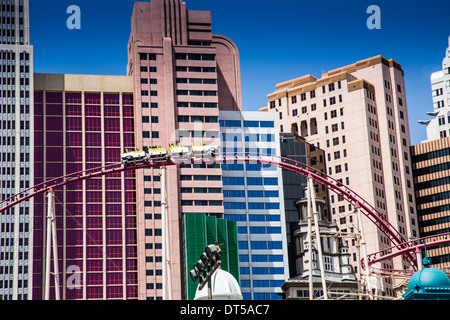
426 261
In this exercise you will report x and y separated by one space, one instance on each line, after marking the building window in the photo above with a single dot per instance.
333 114
332 100
335 141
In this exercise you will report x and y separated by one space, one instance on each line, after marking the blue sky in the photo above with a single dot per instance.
277 40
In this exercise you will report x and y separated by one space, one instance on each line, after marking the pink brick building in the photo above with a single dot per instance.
183 75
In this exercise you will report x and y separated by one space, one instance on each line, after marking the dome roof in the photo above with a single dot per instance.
223 286
428 277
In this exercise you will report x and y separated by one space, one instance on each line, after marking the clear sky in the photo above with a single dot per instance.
277 40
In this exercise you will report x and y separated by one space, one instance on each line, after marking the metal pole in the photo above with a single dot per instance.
167 275
309 237
55 247
318 240
358 253
209 287
48 244
363 245
51 237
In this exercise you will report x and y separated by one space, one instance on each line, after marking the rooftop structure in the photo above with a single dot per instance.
439 125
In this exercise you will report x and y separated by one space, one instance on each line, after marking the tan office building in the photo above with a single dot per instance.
431 165
358 115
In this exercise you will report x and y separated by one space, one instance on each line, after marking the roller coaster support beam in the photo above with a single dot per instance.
312 199
419 259
51 243
363 245
309 238
167 270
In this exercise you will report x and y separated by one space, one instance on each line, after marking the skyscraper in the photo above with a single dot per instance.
439 126
431 183
296 148
183 75
84 122
253 197
358 115
17 126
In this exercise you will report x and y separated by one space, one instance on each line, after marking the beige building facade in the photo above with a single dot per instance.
358 115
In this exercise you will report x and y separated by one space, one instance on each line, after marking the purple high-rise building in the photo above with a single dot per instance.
84 122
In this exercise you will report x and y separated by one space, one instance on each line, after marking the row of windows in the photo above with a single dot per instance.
248 166
201 190
91 124
433 197
197 134
205 119
259 230
434 209
147 56
262 270
147 69
195 69
251 193
432 183
266 151
247 124
201 202
200 165
76 110
152 203
185 177
252 217
260 284
149 232
261 258
196 81
260 245
148 134
181 104
251 181
312 94
431 155
145 93
431 169
249 137
206 93
195 56
251 205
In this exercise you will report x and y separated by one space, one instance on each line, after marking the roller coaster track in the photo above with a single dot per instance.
411 246
401 245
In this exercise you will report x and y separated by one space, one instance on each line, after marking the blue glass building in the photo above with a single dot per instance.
253 197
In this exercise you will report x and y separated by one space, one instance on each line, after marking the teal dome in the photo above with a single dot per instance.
428 277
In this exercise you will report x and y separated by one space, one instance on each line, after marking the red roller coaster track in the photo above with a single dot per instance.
401 246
